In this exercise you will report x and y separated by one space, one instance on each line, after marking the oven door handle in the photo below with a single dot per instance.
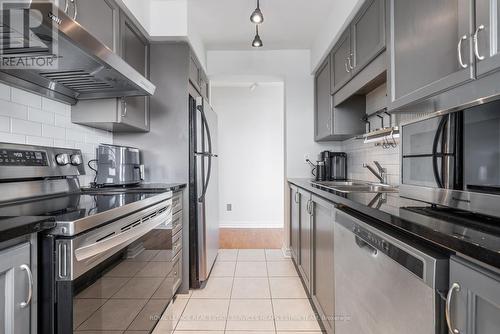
125 237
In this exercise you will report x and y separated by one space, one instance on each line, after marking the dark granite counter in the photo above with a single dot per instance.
453 231
13 227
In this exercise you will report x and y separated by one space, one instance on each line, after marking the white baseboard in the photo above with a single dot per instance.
251 224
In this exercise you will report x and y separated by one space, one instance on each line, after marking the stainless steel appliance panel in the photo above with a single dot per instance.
376 294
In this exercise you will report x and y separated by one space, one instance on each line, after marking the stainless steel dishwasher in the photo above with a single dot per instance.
384 285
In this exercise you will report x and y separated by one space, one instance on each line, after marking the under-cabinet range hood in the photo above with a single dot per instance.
84 67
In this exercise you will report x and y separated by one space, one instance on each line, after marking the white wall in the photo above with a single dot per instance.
27 118
293 68
251 158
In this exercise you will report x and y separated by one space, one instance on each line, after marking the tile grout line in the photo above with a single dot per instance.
231 293
270 294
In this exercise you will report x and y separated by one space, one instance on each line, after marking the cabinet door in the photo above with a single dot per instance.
305 238
100 18
368 34
424 40
475 299
323 102
342 62
295 223
324 286
14 290
194 73
135 51
488 36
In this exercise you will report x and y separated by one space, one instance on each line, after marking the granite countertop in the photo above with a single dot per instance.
13 227
454 231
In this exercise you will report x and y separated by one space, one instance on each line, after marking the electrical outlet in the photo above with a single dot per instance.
229 207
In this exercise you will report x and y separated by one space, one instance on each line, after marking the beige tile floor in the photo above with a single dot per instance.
250 291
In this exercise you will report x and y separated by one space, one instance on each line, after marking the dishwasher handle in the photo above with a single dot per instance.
365 246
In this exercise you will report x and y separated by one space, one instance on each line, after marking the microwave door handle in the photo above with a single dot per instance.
437 136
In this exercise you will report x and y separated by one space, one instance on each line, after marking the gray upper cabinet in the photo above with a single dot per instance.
429 48
305 266
323 278
295 223
368 34
474 299
323 103
15 286
487 32
130 114
342 62
101 18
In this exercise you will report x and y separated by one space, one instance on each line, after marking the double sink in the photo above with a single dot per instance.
356 187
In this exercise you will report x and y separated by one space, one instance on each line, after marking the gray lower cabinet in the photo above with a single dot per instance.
323 294
429 48
305 266
323 103
487 32
368 34
101 18
341 59
474 299
295 223
15 287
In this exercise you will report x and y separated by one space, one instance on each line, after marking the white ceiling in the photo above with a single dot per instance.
288 24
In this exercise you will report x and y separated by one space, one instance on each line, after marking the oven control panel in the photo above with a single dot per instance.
23 158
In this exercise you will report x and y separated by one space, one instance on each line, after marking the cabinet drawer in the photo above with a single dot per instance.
176 222
177 273
177 203
177 243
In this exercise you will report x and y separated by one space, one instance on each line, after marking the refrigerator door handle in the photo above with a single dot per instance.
207 154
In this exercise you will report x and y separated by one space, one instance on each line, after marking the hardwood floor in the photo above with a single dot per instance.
246 238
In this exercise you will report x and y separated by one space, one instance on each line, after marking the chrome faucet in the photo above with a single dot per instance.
381 174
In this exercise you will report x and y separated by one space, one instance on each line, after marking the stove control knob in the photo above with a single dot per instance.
62 159
76 159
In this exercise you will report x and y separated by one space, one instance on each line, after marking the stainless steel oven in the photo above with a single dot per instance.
117 277
454 159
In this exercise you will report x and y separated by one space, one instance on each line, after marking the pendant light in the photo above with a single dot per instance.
257 16
257 42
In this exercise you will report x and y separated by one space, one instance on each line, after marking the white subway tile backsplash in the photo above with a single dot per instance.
27 118
13 138
10 109
55 132
40 116
4 92
21 126
4 124
75 135
56 107
40 141
23 97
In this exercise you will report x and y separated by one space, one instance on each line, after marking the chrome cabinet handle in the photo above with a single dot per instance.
349 61
66 7
346 68
297 197
476 44
459 52
455 286
124 107
75 7
30 285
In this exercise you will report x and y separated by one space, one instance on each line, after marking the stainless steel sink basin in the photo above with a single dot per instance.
356 186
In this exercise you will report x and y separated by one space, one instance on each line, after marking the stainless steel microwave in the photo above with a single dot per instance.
454 159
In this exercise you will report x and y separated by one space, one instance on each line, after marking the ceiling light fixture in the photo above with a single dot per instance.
257 16
257 42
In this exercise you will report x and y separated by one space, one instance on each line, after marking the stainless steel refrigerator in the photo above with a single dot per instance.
204 193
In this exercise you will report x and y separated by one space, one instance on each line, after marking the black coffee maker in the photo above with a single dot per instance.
335 166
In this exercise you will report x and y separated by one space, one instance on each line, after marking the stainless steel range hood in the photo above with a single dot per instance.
86 68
